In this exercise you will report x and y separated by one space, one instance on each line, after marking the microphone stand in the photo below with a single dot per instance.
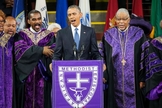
81 52
75 51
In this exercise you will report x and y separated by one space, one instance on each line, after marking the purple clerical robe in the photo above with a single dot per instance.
6 70
32 68
122 54
154 74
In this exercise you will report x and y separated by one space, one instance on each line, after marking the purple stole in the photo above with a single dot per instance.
123 61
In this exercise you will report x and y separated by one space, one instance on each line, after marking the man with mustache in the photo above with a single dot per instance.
124 48
8 25
33 53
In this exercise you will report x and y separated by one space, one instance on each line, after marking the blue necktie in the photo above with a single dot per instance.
122 39
76 38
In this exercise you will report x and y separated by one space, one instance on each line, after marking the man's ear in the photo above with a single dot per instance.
81 14
129 20
28 21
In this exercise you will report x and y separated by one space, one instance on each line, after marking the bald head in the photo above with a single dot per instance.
10 25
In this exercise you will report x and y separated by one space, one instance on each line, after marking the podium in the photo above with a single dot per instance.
77 84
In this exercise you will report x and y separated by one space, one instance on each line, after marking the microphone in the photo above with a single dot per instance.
75 50
81 51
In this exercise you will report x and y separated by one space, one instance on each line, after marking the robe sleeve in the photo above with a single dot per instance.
28 55
155 93
154 71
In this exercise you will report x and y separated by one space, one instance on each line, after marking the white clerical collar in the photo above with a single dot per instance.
32 30
123 30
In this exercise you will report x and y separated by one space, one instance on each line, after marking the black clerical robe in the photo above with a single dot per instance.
122 55
33 76
154 74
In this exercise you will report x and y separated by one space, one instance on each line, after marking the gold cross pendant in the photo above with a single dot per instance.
123 62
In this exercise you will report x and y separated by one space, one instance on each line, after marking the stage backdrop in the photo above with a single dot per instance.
77 84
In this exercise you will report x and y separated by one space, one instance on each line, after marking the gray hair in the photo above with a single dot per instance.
75 6
53 25
122 10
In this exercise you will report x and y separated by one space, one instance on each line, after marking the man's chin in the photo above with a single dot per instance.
37 30
11 34
1 30
122 28
74 24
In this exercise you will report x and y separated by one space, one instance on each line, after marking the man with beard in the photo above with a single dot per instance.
33 52
6 60
10 30
10 25
124 47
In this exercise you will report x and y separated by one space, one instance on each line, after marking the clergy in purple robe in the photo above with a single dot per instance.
33 52
2 98
154 73
6 62
122 47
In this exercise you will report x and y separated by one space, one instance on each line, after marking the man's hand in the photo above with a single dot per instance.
50 66
142 85
104 67
47 51
104 80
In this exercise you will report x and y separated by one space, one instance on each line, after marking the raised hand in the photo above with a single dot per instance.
47 51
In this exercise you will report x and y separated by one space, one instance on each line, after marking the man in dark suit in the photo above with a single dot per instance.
67 47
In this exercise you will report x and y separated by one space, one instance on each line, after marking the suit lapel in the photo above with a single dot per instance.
82 36
70 35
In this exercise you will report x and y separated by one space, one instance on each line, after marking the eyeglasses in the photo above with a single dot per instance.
123 19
